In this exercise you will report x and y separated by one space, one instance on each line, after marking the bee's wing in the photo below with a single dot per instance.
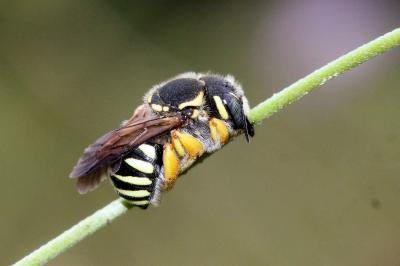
94 164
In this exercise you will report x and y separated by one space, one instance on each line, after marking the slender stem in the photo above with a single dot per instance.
265 109
75 234
325 73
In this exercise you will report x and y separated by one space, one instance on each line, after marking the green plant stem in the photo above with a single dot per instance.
76 233
265 109
325 73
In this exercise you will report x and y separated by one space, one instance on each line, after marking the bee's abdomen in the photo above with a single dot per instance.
137 175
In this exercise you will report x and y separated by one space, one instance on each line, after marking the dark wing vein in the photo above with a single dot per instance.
93 165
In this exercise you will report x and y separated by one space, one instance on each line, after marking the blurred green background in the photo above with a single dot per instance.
318 185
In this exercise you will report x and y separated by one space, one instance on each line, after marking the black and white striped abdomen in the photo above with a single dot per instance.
137 177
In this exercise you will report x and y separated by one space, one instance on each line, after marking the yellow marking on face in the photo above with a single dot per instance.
195 113
134 193
193 146
142 166
139 202
148 150
171 166
197 101
219 131
221 107
149 98
134 180
165 108
156 107
178 145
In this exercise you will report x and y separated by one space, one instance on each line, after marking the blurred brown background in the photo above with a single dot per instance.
318 185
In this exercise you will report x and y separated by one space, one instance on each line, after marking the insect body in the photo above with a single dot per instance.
181 120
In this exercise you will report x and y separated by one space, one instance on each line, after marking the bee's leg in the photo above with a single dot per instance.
186 143
178 144
219 131
171 166
183 144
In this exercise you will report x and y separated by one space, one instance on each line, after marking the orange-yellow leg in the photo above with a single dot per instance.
192 146
219 131
182 144
171 166
177 144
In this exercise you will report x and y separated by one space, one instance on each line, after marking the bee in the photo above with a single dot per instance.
181 120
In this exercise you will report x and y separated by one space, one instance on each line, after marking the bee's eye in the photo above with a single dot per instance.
187 111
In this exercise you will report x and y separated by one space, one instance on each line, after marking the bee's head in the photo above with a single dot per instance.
191 94
227 102
182 95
